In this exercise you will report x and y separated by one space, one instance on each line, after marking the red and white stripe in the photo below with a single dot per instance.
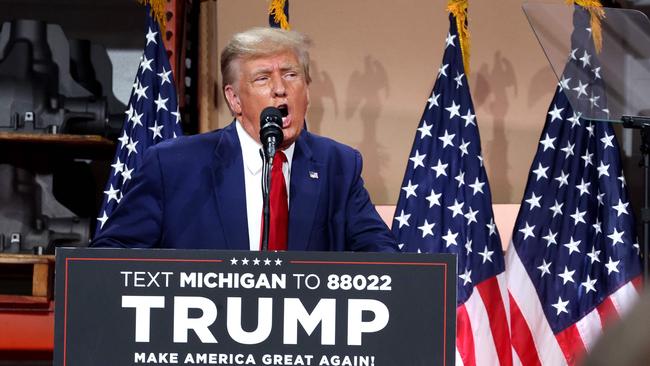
482 332
533 340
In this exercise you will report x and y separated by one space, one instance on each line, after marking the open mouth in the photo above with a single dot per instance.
284 109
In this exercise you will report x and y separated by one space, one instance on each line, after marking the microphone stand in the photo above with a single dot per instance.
267 165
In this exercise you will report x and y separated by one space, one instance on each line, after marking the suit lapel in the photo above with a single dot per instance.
306 177
230 191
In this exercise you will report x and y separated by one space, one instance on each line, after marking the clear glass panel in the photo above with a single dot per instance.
601 86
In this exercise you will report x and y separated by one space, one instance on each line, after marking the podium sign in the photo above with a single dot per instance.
198 307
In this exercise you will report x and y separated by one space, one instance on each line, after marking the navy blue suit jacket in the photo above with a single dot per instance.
190 193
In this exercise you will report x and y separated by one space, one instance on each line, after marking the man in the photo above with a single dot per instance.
204 191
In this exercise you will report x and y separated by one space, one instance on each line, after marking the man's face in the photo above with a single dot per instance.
277 80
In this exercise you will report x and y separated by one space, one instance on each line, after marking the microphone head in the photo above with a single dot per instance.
271 126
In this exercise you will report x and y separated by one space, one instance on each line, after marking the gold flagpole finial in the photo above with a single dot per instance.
157 11
276 8
459 9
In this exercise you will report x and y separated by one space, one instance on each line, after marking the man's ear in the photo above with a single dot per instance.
233 99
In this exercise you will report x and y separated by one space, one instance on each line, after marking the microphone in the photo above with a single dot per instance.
271 135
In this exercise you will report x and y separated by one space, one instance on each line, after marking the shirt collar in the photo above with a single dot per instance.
251 150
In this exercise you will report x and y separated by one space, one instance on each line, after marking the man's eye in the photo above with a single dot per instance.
260 79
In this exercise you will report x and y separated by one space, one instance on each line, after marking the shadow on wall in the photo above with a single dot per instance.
364 95
320 90
501 76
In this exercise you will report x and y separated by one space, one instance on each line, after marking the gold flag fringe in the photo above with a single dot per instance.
157 11
459 9
597 13
276 8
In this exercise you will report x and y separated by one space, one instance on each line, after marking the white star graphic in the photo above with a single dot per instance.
102 220
410 189
545 268
156 130
548 142
278 261
563 179
579 216
540 172
622 179
567 276
602 169
124 140
245 261
450 238
433 100
556 113
477 186
141 91
460 178
146 64
456 208
403 219
164 77
233 261
161 103
459 79
557 208
126 174
589 284
178 118
118 166
434 198
560 306
469 118
111 193
486 254
550 238
466 277
137 119
597 226
418 160
427 229
131 146
593 255
533 201
492 227
596 72
463 147
585 59
616 236
449 41
607 141
446 139
573 245
453 109
468 246
581 88
151 36
564 83
256 262
568 150
621 208
612 266
527 231
471 216
267 262
583 186
442 70
441 169
425 130
575 119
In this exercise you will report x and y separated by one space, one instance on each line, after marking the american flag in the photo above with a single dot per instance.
574 259
152 116
445 206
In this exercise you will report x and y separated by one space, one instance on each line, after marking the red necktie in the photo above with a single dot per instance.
279 206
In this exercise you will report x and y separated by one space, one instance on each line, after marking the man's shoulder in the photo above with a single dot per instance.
326 146
203 142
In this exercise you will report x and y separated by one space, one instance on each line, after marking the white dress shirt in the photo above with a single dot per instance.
250 150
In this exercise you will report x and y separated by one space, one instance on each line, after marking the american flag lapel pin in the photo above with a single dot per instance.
313 175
